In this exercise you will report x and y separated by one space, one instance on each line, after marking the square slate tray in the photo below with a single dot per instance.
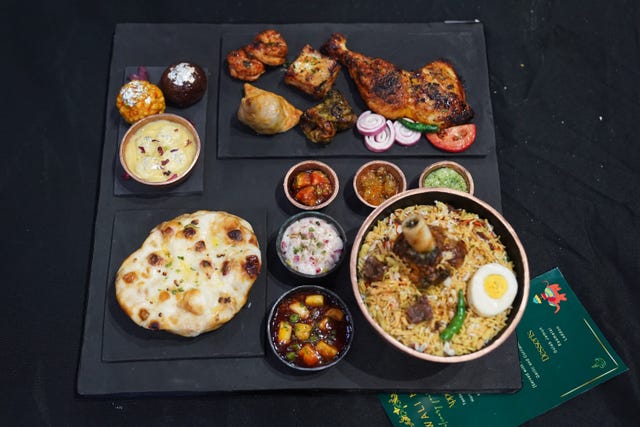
196 114
123 340
409 49
254 186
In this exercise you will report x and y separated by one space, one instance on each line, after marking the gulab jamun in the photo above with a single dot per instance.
183 84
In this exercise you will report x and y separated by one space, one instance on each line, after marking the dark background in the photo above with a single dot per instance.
566 99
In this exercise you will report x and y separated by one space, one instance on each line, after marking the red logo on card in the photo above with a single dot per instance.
551 295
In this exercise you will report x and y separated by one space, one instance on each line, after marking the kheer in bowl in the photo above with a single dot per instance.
160 150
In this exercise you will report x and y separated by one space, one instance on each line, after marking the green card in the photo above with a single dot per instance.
562 354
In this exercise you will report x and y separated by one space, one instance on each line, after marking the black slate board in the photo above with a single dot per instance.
233 184
410 50
196 114
123 340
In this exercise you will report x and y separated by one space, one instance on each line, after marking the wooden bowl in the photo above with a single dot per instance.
309 165
451 165
156 154
389 167
457 199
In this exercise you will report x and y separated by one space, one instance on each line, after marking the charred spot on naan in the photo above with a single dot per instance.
189 231
143 314
167 231
235 235
252 265
155 260
130 277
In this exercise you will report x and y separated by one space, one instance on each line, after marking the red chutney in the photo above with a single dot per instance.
311 187
310 329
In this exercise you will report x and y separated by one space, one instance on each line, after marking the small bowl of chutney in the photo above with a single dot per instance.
377 181
447 174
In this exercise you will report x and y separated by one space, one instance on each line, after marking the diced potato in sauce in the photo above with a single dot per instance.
314 300
300 309
302 331
309 355
324 324
284 333
335 314
326 350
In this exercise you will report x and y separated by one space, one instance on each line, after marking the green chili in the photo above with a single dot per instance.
419 127
456 323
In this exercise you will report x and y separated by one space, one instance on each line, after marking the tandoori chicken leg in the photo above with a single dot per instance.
433 94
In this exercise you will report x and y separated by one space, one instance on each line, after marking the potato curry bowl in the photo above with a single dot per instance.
310 328
440 275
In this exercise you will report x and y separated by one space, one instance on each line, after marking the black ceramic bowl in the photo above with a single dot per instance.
295 249
330 329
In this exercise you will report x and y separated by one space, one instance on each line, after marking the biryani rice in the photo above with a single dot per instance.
388 299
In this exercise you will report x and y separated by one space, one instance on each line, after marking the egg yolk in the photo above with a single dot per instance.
495 285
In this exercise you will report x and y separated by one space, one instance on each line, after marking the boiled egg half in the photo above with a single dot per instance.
492 289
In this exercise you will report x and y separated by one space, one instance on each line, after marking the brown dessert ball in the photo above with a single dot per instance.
183 84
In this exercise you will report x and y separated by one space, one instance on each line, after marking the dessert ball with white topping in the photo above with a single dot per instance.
183 84
138 99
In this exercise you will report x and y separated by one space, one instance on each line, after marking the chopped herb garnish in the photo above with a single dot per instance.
294 318
180 257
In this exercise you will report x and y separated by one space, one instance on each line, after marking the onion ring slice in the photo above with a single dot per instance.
383 140
404 135
369 123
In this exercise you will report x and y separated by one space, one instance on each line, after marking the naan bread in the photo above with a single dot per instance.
191 275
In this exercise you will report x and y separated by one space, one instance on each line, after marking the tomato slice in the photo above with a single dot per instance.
454 139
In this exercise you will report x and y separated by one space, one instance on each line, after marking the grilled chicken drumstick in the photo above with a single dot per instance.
433 94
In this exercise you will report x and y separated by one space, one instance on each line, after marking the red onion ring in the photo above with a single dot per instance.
404 135
369 123
383 140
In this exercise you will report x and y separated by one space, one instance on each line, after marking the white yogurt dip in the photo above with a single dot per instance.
311 245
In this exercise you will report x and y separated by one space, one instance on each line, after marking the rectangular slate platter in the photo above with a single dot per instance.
410 49
123 340
197 114
241 185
